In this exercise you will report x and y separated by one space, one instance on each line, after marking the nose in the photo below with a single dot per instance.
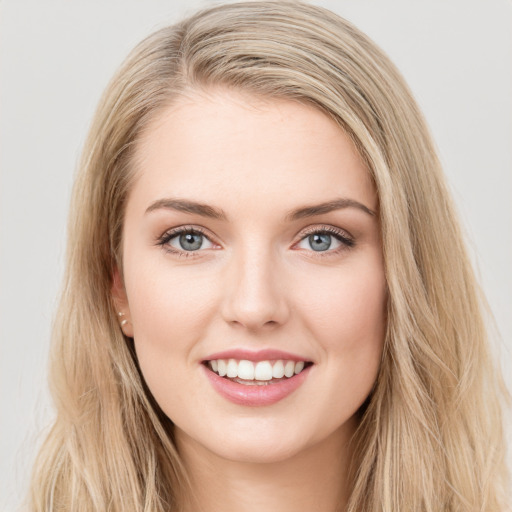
254 292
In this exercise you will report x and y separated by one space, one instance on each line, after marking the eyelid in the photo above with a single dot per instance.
325 228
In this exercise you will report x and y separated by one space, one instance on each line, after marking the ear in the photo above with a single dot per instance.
121 304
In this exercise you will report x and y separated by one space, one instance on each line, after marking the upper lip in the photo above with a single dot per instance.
255 356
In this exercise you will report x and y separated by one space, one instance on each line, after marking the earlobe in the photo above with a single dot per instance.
121 304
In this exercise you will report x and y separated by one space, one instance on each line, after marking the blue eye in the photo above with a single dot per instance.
325 240
320 242
189 240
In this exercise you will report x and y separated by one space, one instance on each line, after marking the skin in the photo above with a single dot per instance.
255 283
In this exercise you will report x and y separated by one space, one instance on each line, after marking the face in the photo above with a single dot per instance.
251 246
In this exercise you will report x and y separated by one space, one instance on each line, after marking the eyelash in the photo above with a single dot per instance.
347 241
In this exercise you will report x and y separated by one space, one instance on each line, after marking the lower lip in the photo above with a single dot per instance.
255 395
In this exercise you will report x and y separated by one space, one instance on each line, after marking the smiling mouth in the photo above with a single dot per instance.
261 373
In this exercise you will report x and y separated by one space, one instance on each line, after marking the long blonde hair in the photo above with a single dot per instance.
431 437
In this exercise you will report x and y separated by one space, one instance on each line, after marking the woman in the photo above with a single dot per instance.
268 302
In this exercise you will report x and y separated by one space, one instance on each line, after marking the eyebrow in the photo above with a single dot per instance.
184 205
329 206
205 210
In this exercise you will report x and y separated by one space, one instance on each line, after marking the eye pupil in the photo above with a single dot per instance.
191 241
320 242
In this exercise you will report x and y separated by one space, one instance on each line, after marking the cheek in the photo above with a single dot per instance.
346 315
167 304
170 312
347 309
349 323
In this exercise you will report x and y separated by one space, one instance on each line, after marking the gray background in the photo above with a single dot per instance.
56 57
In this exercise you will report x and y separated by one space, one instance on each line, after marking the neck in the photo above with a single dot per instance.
314 479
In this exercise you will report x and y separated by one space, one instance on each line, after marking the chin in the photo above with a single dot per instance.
259 452
249 441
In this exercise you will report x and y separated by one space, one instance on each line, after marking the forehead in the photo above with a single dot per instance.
227 147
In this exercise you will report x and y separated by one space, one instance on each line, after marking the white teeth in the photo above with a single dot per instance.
260 372
278 370
232 369
263 371
221 367
289 368
246 370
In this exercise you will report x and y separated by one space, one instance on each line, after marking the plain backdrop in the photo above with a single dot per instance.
56 57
